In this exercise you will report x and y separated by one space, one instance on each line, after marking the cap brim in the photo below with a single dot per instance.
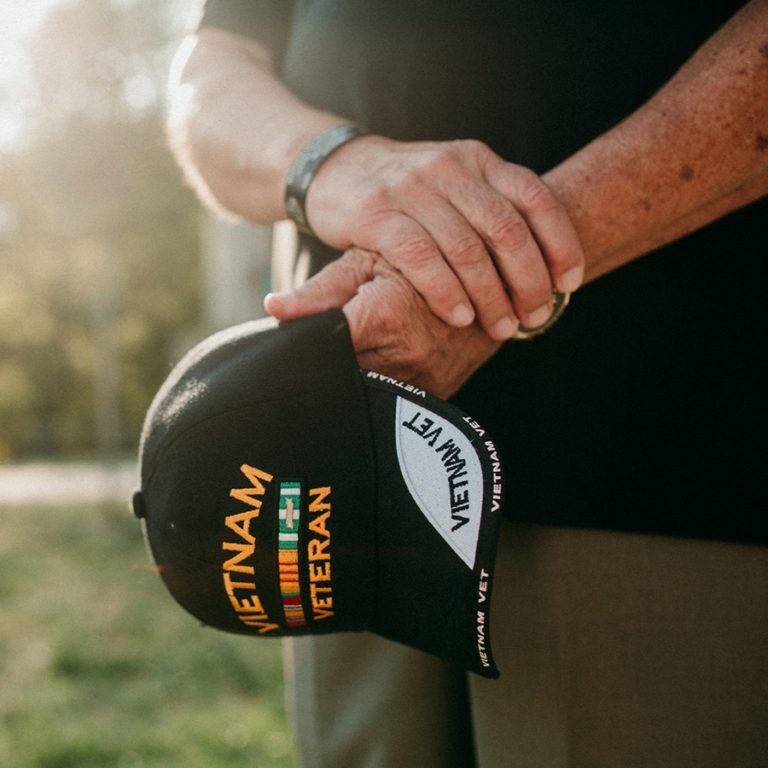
438 516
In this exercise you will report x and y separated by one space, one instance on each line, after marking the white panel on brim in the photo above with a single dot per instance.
443 474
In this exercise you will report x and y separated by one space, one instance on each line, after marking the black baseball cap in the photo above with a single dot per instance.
285 491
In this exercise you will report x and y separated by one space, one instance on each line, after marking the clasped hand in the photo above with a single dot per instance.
479 238
448 249
393 330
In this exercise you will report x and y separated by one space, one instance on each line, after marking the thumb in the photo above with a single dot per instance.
331 288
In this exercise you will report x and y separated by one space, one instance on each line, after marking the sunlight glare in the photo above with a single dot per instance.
19 19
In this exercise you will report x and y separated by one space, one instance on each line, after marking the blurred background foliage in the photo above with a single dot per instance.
99 668
108 270
99 237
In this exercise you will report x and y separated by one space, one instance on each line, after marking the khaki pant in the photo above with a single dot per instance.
616 651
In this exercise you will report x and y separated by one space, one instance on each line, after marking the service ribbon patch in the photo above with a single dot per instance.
289 514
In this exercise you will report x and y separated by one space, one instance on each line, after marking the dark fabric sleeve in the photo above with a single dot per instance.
266 21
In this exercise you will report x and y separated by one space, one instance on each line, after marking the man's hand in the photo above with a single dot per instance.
393 330
476 236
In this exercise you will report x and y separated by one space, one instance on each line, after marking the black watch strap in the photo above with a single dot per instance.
305 166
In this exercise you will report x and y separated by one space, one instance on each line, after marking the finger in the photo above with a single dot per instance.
408 247
395 333
385 337
548 221
330 288
516 253
475 267
379 311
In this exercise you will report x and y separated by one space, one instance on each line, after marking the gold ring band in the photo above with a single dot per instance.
559 303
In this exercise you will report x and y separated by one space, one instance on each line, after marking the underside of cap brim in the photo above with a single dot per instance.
439 510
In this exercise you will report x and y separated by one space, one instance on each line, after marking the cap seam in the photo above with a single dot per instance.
376 492
167 445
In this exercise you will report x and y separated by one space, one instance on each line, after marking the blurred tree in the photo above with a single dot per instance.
98 236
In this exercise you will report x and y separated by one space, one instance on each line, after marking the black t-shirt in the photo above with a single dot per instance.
643 409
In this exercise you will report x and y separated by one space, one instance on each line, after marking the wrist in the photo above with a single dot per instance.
306 165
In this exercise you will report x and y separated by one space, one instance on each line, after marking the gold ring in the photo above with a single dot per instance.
559 303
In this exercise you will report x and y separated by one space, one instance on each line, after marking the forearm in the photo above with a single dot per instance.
696 151
234 127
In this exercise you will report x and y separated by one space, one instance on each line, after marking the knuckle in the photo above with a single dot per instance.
474 147
454 154
350 259
359 262
537 196
468 254
479 156
444 158
416 252
510 232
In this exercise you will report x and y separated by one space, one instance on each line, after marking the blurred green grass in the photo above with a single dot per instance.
100 668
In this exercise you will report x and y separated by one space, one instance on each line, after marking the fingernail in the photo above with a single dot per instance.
571 280
462 315
539 317
275 303
504 329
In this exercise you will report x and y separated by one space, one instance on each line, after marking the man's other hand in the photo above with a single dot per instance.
478 237
393 330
